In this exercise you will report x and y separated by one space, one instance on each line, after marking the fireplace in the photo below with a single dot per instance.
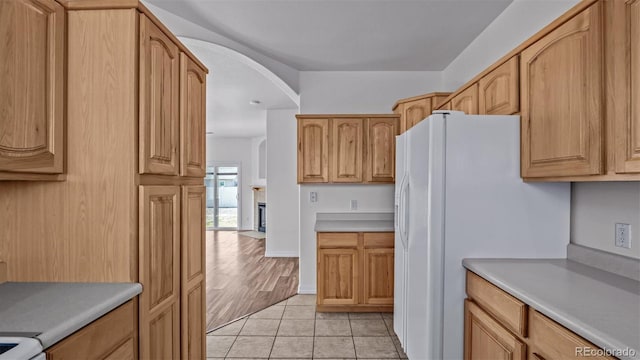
262 217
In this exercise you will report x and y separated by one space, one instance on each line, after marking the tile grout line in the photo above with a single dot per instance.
236 338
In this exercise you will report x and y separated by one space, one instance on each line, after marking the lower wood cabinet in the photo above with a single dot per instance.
111 337
499 326
486 339
355 271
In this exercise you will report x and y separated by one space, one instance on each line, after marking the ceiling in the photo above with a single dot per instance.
347 35
231 84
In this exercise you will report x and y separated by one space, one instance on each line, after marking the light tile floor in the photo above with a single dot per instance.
293 329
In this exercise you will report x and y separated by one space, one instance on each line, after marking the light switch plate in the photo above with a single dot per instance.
354 204
313 196
623 235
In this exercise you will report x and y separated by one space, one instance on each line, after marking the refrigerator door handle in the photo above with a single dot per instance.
405 218
401 210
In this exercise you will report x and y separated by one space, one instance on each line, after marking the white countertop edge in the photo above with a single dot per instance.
77 322
586 331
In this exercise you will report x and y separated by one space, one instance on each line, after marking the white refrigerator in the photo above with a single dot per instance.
459 195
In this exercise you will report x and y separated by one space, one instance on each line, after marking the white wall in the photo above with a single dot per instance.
255 161
349 92
519 21
282 188
597 207
237 150
340 92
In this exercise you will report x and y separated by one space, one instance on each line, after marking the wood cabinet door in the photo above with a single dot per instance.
380 150
486 339
499 92
378 276
313 150
626 84
338 279
193 117
193 272
416 111
159 272
562 99
32 86
346 150
159 90
466 101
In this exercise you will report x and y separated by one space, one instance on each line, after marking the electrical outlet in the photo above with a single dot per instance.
623 236
313 196
354 204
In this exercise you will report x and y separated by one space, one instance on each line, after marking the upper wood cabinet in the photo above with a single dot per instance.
159 96
485 338
313 150
499 92
415 111
562 99
32 87
159 272
192 118
466 101
624 102
346 150
380 140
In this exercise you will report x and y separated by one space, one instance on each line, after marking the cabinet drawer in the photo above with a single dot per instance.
379 240
111 335
337 240
551 340
509 310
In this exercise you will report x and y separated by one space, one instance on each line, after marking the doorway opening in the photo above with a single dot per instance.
223 197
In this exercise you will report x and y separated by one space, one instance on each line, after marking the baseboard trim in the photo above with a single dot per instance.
280 254
306 290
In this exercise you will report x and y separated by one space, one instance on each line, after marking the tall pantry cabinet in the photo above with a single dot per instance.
130 204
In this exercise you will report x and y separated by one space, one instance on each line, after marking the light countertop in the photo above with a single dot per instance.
56 310
354 222
600 306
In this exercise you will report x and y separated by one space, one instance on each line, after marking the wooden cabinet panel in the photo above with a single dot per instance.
378 276
381 150
346 150
553 341
32 85
511 312
159 95
499 92
416 111
126 351
193 233
338 278
337 240
193 312
193 322
159 272
562 99
192 118
110 337
626 84
313 150
466 101
486 339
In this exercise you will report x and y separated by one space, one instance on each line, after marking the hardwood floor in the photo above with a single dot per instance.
240 280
